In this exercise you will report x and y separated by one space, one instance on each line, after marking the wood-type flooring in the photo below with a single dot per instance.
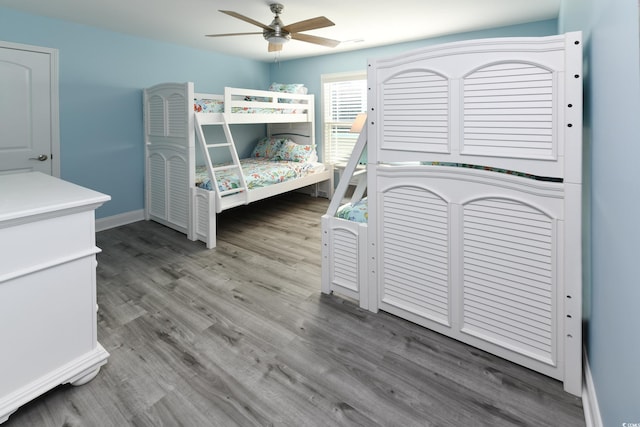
241 336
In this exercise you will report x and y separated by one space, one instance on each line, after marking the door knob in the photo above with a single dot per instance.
41 158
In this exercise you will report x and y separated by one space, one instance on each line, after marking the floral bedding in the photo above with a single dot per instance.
357 212
217 106
258 172
255 110
208 106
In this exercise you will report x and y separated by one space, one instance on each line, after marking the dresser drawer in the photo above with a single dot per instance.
33 246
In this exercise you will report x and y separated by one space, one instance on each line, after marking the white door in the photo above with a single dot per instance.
29 138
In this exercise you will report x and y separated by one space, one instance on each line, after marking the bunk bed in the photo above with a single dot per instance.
470 218
185 191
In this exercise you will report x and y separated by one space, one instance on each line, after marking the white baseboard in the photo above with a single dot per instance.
589 398
118 220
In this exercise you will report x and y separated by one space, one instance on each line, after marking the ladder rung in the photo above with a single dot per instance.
232 191
226 167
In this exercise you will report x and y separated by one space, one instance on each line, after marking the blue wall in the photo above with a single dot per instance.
102 75
309 70
612 106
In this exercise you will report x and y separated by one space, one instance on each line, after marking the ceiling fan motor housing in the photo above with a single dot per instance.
276 34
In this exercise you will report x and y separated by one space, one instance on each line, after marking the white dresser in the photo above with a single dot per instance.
47 287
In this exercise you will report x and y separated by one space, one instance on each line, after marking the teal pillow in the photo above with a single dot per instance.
267 148
293 152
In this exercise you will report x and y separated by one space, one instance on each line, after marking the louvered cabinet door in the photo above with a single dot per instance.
167 176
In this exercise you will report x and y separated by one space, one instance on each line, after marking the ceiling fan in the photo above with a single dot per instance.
277 33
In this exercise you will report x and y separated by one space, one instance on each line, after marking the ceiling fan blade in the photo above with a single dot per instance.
315 39
230 34
245 19
274 47
308 24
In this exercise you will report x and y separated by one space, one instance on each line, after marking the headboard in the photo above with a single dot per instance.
300 133
465 103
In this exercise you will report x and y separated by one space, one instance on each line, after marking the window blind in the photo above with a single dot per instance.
344 97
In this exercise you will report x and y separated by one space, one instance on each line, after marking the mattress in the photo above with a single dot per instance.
257 173
216 106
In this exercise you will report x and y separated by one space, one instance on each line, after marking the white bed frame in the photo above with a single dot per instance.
488 258
172 128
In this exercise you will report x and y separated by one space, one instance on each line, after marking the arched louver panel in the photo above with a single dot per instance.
416 112
509 288
509 111
415 242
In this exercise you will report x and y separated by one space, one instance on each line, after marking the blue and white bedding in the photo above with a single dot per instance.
216 106
257 173
356 212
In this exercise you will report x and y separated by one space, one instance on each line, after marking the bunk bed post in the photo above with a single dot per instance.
372 186
325 277
572 272
191 150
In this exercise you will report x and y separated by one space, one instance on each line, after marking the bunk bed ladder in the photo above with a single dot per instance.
349 172
235 196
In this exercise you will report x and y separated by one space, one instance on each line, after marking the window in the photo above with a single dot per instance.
344 96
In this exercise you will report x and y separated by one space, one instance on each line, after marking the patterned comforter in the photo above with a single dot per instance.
217 106
357 212
257 173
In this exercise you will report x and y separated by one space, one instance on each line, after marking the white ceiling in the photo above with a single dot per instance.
359 23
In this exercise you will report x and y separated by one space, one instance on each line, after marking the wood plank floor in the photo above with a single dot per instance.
241 336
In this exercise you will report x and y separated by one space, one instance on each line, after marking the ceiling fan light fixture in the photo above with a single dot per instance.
276 37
